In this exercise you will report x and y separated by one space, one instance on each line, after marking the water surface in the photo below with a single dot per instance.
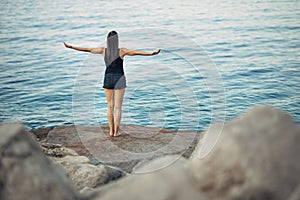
254 45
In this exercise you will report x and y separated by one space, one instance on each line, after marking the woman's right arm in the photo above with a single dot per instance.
90 50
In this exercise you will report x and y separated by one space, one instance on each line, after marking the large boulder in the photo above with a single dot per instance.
172 182
256 157
25 172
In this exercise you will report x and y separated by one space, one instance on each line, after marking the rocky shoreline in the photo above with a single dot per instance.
95 143
256 157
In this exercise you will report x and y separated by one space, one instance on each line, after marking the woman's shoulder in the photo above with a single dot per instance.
123 49
122 52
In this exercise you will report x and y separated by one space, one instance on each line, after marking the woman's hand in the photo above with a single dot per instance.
156 52
68 46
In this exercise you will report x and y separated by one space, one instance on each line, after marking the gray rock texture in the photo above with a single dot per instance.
79 169
172 182
136 143
85 175
256 157
25 172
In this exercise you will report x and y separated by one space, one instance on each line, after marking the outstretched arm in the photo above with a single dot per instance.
90 50
130 52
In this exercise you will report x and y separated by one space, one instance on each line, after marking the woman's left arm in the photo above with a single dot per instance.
130 52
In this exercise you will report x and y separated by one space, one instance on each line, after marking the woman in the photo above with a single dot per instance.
114 79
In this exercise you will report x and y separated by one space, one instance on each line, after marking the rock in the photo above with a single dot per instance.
86 191
25 172
296 194
63 135
57 150
256 157
172 182
67 136
41 133
136 143
71 159
85 175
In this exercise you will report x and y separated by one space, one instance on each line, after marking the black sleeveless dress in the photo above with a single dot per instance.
114 77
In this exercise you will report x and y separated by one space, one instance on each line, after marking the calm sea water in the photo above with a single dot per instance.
253 46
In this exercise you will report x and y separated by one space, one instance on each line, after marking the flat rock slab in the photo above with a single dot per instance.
135 144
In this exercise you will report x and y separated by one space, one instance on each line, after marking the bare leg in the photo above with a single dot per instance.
119 94
110 110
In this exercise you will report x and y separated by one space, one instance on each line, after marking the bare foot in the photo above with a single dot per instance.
111 134
117 134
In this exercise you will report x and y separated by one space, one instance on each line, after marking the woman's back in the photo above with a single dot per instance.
116 66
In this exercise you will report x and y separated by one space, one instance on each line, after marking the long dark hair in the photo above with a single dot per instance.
112 47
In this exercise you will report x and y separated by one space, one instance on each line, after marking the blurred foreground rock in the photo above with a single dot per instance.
173 182
25 172
257 157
